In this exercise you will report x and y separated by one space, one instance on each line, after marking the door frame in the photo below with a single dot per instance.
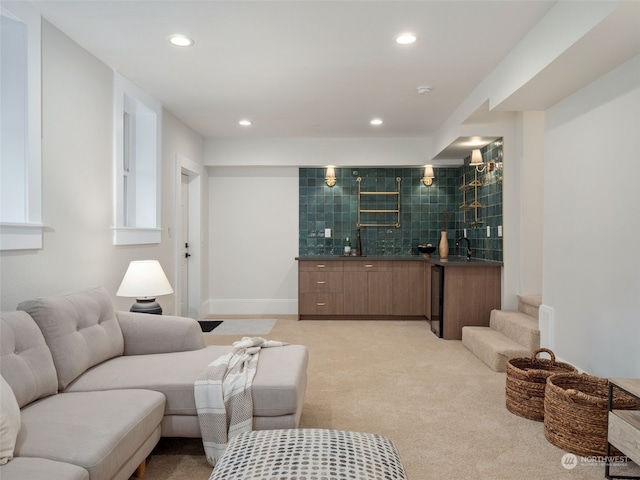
194 172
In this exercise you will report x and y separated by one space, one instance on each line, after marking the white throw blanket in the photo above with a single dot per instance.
223 395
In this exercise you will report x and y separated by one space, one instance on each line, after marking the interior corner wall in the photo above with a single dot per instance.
77 165
253 240
591 262
531 201
179 139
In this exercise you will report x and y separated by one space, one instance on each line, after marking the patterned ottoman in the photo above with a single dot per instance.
309 454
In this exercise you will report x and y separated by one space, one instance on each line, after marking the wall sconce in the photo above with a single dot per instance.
478 162
428 175
145 280
330 177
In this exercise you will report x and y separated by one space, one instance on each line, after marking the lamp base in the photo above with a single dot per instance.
146 305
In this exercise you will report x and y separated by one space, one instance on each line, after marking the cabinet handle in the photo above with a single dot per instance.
320 304
321 281
368 265
320 265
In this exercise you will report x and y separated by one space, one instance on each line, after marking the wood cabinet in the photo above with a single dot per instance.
361 288
408 288
460 296
320 288
368 288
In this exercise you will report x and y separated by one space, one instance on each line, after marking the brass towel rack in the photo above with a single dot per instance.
395 210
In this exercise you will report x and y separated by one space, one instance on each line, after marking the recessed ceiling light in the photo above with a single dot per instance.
376 121
406 38
181 40
245 123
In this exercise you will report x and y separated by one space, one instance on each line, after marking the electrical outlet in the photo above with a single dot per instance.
465 232
488 231
327 233
500 230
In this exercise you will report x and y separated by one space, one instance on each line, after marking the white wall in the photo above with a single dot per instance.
591 268
531 181
253 211
77 116
316 152
253 240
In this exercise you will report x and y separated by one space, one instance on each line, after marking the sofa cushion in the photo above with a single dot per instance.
25 468
81 330
9 421
281 374
25 359
98 431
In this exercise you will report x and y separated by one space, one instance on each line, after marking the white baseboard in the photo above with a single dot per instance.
243 306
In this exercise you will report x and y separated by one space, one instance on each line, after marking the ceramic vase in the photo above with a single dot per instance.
443 248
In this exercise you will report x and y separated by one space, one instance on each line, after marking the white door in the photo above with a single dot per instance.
188 246
183 261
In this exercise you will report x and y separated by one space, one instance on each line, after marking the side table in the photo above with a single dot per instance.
624 425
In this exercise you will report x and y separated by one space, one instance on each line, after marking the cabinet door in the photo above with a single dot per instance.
380 292
408 288
368 288
356 294
427 290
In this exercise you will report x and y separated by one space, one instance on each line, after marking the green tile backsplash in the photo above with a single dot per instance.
422 209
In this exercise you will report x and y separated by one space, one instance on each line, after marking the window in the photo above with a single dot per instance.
20 112
138 120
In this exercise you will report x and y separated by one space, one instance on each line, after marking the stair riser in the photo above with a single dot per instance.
529 304
528 310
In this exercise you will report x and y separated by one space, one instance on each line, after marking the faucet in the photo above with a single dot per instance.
468 246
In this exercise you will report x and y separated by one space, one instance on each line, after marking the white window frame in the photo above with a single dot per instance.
137 190
23 229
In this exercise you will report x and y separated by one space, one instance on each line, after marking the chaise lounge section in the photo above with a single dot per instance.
98 388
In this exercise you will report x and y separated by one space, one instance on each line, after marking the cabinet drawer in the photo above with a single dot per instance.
320 282
320 266
320 304
365 266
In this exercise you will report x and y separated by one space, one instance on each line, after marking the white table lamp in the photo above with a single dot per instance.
145 280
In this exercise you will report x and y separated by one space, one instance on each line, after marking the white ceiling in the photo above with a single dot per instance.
301 68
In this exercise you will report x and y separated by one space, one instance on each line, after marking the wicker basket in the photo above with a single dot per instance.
526 381
576 412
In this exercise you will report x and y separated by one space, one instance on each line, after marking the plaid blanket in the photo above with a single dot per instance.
223 395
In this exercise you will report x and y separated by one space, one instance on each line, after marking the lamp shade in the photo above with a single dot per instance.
428 171
331 172
476 157
144 279
330 176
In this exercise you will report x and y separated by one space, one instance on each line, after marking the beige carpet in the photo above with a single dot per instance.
443 408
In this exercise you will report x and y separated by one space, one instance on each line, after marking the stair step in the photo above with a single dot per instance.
529 304
492 347
517 326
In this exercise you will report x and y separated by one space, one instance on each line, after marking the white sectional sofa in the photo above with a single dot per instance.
97 388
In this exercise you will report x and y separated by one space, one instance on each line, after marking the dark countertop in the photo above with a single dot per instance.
452 261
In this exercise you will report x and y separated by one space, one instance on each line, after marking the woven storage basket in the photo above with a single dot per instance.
526 382
576 412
